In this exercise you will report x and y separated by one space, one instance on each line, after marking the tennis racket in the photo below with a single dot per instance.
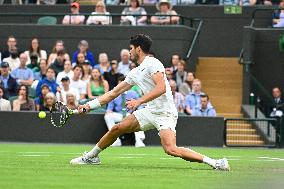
60 113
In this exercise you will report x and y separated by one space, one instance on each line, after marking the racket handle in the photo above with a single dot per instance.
77 111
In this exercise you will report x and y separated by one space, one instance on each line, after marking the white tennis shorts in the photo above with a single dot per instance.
147 120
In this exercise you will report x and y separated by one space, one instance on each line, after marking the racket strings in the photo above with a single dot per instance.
64 114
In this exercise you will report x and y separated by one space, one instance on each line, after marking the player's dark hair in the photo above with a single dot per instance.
204 96
142 40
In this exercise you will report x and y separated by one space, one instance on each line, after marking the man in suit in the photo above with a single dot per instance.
4 104
8 82
278 103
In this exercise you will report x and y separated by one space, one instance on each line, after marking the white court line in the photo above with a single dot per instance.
33 155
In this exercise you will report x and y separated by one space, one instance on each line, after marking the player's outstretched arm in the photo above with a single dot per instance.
158 90
105 98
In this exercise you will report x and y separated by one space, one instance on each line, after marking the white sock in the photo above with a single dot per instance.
94 152
209 161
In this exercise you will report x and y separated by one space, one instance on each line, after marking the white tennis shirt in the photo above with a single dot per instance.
142 77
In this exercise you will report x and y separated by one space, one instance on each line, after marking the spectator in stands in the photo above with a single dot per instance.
100 20
42 70
72 102
58 64
132 66
23 102
116 111
77 83
61 93
169 73
13 59
34 64
48 80
123 65
178 97
134 9
97 86
150 2
83 48
278 103
4 104
8 82
49 101
237 2
164 8
205 109
181 74
186 87
174 62
81 59
193 99
278 17
59 45
22 74
112 76
103 65
87 70
67 72
35 49
11 44
74 18
40 99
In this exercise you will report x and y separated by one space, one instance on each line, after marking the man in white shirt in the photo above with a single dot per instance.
160 112
77 83
62 93
66 72
74 18
4 104
123 65
13 60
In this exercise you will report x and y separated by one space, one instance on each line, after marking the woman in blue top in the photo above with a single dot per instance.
83 48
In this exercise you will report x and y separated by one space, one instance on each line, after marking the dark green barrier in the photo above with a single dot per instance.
27 127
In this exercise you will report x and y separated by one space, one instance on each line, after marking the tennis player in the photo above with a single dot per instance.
160 112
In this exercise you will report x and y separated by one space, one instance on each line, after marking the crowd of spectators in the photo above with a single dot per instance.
31 80
149 2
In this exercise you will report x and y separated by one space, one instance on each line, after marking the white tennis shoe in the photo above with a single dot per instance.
82 160
222 165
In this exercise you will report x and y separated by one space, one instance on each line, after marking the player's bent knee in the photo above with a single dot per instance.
116 129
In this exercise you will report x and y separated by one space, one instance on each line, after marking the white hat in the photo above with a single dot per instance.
164 2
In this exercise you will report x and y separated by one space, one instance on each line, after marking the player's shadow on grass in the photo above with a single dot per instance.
173 168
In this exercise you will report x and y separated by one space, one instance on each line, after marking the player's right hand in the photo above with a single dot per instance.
83 107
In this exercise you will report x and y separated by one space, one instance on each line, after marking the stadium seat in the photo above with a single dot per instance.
47 20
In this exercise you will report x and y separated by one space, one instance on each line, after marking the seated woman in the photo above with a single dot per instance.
133 9
23 102
35 50
164 8
83 47
87 70
104 65
72 103
99 20
39 100
49 101
59 46
97 86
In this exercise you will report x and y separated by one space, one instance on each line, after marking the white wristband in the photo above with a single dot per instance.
94 103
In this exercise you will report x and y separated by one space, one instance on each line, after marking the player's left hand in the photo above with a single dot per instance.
133 104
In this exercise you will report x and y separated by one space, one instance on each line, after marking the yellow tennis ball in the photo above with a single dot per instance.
41 115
